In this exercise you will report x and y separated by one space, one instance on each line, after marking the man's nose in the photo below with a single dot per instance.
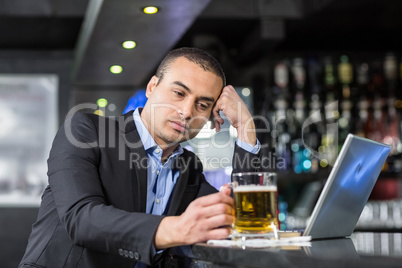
186 110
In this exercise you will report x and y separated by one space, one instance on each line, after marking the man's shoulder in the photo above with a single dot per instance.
188 154
83 118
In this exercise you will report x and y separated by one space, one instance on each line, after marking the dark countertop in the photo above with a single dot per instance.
360 250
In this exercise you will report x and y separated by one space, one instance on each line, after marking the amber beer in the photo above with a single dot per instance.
256 208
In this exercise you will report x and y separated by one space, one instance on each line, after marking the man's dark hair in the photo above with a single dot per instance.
196 55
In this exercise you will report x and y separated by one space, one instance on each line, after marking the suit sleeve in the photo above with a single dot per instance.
77 190
244 161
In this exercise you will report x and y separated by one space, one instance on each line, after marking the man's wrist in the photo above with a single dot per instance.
246 133
164 236
248 147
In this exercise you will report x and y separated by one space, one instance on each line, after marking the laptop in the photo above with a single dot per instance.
347 189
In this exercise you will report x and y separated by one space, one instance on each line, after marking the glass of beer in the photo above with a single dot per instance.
256 202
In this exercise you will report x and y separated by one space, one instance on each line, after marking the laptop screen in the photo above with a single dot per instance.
348 188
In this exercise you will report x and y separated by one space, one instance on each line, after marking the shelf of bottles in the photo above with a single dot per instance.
316 102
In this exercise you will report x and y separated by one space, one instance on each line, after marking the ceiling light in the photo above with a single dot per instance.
150 10
129 44
102 102
116 69
246 92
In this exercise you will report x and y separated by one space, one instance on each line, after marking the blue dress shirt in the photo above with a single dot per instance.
158 190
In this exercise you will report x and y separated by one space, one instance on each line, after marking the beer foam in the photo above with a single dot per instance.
255 188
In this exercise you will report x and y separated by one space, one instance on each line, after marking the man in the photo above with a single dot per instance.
107 207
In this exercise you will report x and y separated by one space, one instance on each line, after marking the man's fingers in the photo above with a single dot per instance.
207 217
218 209
217 222
225 189
218 233
217 120
215 234
217 126
229 87
213 199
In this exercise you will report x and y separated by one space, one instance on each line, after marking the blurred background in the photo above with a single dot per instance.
321 68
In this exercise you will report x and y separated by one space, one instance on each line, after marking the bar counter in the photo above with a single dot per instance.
362 249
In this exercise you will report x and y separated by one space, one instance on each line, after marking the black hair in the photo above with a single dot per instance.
196 55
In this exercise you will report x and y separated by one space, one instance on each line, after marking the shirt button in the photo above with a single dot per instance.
157 172
157 150
158 201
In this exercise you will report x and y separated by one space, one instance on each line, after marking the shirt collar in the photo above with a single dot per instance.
146 138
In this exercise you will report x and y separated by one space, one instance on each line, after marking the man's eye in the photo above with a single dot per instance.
203 106
178 93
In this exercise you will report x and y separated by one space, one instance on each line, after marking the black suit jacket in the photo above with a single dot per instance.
93 211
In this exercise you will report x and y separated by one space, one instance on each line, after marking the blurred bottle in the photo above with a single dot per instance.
345 74
282 213
376 119
329 139
329 80
391 135
393 138
280 133
398 106
360 112
299 88
312 133
376 86
301 162
391 74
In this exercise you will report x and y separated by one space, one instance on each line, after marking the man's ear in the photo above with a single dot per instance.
151 86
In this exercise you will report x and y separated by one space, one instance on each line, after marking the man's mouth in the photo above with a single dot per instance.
179 126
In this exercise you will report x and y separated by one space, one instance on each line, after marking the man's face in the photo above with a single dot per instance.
181 103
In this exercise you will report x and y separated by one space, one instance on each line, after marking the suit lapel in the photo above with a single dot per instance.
180 187
137 160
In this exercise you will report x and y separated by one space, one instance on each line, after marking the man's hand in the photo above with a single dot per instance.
237 113
207 217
